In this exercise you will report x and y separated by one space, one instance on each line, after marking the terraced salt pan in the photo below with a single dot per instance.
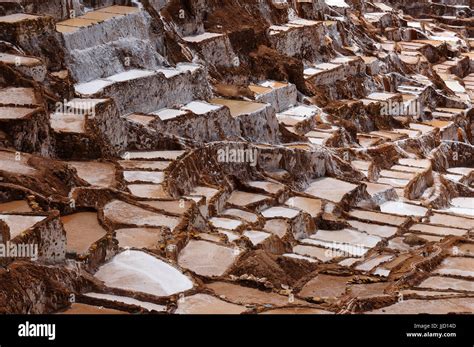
140 119
247 296
178 207
301 111
201 37
451 221
325 286
318 134
129 301
225 223
140 272
457 266
410 133
368 290
384 231
418 306
95 173
148 191
318 253
208 192
382 96
200 107
126 214
206 258
338 247
144 176
404 168
148 238
260 90
389 135
278 227
68 123
280 212
168 113
402 209
378 217
92 87
398 244
396 174
330 189
380 192
274 84
117 9
9 163
429 294
19 223
437 230
311 206
18 96
231 235
423 128
243 199
347 236
348 262
462 205
455 86
452 177
144 165
246 216
238 107
82 230
370 264
256 237
361 165
268 187
210 237
64 29
207 304
446 283
79 22
310 72
382 272
95 86
95 15
461 170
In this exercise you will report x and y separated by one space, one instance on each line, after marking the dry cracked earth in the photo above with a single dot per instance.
257 157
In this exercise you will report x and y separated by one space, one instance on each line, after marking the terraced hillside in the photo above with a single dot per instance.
236 156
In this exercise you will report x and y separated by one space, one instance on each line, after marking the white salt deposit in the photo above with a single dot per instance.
93 87
200 107
141 272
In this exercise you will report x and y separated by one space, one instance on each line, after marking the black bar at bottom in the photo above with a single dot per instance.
365 330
